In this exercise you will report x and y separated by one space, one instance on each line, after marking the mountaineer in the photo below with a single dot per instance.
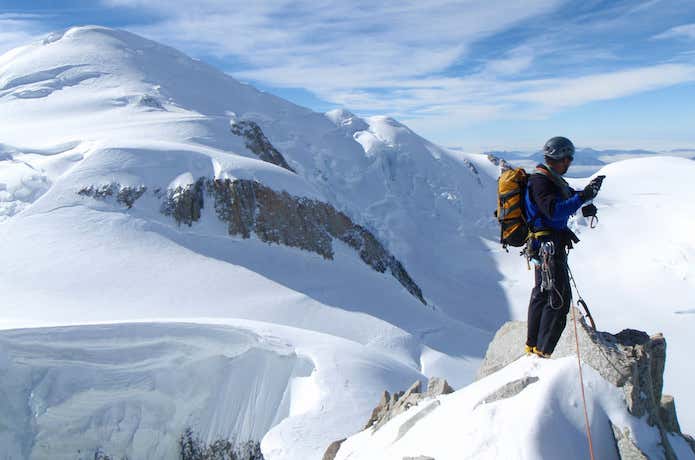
549 202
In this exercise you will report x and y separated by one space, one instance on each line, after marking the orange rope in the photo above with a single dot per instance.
581 382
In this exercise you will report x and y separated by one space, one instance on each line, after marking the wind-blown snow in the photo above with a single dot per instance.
131 389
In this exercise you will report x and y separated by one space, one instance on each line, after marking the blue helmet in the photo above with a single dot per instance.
558 148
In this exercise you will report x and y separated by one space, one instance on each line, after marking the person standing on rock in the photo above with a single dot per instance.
550 201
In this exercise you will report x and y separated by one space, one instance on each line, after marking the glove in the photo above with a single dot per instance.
591 190
589 210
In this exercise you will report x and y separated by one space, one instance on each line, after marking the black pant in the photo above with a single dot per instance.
547 311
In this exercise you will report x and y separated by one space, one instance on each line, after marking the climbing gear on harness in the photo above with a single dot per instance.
546 253
581 383
511 212
529 254
557 148
548 260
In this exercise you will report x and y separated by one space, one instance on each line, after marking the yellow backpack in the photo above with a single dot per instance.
511 209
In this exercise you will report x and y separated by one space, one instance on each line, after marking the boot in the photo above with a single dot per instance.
540 354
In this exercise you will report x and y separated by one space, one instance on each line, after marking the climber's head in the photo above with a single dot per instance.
559 153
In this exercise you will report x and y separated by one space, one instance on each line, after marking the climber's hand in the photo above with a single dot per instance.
592 189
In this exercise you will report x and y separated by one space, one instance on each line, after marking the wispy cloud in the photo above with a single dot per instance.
568 92
364 39
390 56
686 31
514 61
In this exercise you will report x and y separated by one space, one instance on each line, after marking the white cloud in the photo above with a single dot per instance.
337 46
569 92
17 30
686 31
515 61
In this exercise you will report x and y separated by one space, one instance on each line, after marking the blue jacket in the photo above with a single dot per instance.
547 207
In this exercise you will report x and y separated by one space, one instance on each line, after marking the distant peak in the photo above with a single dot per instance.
337 116
345 118
78 31
108 37
387 120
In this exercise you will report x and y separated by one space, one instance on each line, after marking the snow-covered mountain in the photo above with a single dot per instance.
131 174
260 270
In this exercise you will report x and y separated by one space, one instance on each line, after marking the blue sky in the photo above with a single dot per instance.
479 74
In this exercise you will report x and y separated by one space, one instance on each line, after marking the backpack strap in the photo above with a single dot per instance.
556 179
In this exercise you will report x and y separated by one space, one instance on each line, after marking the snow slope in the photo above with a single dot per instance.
91 107
379 172
544 420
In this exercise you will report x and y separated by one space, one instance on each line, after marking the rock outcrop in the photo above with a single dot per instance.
509 390
631 360
497 161
184 203
332 450
125 195
192 447
258 143
390 405
248 207
151 102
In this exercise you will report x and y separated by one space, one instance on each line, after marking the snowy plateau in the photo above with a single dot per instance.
181 251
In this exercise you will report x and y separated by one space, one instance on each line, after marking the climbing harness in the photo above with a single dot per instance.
581 383
538 234
527 252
